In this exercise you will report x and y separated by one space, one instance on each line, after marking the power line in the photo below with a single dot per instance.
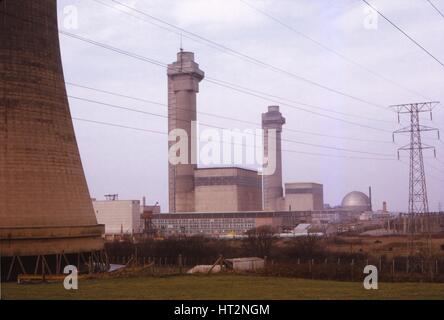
325 47
228 84
119 125
405 34
226 117
246 57
298 102
283 150
430 176
218 82
116 106
436 8
435 168
299 108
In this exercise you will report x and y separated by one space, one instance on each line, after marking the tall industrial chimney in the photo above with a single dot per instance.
272 183
370 197
45 206
184 76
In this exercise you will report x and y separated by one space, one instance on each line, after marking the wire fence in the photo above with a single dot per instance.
400 269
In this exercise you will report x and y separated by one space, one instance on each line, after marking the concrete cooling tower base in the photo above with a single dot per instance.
46 214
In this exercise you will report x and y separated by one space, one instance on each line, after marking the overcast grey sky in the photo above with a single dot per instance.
134 163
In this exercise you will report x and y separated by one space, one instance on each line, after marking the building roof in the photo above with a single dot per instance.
227 168
356 200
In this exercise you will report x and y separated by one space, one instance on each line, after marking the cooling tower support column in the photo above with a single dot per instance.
45 206
272 183
184 76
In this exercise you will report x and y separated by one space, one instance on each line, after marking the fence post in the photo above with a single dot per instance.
136 257
432 275
180 263
90 266
407 265
436 266
352 269
43 269
336 268
393 269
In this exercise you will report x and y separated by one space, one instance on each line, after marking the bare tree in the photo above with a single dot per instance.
306 247
260 240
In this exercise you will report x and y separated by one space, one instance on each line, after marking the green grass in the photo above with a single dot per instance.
221 287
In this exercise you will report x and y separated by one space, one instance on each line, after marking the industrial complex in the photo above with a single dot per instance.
47 217
228 201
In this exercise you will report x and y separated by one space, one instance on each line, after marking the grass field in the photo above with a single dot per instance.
220 287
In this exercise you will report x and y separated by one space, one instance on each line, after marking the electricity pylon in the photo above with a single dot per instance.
418 202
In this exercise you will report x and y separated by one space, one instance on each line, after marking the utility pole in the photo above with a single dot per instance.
418 202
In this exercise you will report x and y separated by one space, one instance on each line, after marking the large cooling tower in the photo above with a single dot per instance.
45 207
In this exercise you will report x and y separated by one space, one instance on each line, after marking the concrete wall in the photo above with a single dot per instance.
119 215
249 198
304 196
216 198
42 183
227 189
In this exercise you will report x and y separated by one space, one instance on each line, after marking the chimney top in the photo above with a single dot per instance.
185 56
273 108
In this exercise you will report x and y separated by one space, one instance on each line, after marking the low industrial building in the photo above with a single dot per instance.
304 196
245 264
120 217
218 224
227 189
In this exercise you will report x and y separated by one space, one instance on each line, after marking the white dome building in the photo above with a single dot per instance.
356 201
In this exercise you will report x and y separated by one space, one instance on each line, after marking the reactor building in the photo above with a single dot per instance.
46 216
193 189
